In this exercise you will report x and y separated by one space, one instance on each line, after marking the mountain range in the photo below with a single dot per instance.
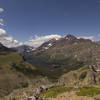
56 59
63 55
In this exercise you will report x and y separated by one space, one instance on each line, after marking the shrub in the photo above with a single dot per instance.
83 75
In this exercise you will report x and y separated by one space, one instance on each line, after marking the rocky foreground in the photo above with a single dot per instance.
53 92
74 85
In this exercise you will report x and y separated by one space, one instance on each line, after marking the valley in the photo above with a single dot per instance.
66 63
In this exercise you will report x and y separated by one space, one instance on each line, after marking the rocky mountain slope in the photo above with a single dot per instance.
56 57
15 73
81 84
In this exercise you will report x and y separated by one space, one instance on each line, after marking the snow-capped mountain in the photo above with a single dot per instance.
61 42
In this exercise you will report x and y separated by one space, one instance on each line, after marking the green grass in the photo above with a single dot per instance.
52 93
46 67
83 68
10 78
9 58
88 91
84 91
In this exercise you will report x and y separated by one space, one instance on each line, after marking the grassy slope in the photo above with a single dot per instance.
11 78
84 91
88 91
54 68
53 92
72 81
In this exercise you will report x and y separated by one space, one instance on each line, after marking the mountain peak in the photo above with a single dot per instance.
70 37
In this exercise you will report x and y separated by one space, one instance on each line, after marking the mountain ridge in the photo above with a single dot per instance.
13 71
62 55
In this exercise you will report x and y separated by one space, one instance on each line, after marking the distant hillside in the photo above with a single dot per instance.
14 72
57 57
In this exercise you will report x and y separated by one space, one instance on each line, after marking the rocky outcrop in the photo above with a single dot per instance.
38 91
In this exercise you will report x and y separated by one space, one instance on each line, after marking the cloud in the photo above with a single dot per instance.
35 41
38 40
2 32
1 10
1 22
15 41
6 40
87 37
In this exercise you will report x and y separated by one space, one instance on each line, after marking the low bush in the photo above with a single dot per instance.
52 93
83 75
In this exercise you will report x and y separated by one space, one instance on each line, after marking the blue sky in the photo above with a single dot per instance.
25 18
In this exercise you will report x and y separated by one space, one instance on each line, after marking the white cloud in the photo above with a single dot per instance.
87 37
2 32
38 40
21 43
1 22
1 10
34 42
15 41
7 40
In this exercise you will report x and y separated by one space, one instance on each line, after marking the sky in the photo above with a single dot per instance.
28 20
